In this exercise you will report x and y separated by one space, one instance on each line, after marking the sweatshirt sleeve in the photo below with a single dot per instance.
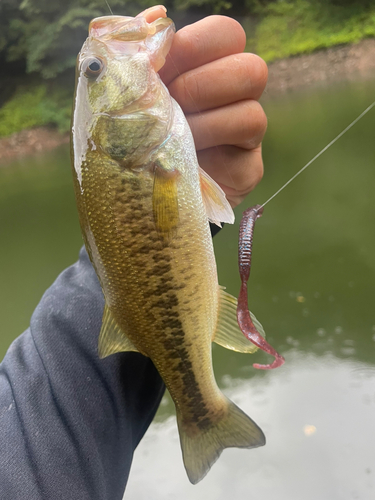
69 421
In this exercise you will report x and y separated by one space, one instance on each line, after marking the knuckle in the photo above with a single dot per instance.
255 174
258 173
256 73
261 70
261 121
254 124
232 29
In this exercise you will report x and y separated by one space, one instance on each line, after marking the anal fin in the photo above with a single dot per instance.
112 338
228 334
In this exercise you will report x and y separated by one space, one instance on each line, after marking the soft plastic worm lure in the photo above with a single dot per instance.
244 260
244 257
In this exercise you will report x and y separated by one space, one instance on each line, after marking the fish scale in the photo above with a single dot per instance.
144 207
161 292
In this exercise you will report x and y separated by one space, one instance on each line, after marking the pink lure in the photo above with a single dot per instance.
244 260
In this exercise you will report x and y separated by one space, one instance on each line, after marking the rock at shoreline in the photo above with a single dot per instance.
347 62
29 142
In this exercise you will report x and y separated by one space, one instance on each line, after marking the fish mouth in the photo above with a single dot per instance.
130 35
125 28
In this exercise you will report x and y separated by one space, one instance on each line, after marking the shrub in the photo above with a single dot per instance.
36 106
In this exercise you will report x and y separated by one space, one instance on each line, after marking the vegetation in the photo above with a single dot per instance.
39 41
301 26
34 106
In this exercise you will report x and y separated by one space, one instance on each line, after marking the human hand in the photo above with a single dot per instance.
218 87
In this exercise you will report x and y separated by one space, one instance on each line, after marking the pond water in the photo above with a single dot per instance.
312 287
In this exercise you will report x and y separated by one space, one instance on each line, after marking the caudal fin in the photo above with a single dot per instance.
200 450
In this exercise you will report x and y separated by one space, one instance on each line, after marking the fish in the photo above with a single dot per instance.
144 207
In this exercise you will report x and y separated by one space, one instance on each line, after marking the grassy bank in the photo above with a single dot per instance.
293 27
34 106
284 28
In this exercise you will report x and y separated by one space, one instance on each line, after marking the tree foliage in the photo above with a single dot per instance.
43 38
46 35
36 105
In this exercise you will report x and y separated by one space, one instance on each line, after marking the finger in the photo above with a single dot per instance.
224 81
211 38
236 170
154 13
240 124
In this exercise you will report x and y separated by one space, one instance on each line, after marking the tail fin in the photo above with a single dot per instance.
201 450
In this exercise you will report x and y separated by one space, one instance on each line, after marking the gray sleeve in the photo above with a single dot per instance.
69 422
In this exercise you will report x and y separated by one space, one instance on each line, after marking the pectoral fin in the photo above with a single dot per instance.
165 201
112 338
217 206
228 333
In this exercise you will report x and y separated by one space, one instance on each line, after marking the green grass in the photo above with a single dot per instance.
36 106
294 27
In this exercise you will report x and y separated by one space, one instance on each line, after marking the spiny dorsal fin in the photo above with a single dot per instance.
228 333
165 201
112 339
217 206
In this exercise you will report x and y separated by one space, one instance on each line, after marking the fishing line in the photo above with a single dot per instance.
321 152
110 10
302 169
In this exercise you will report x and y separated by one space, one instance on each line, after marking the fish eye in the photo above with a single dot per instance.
92 67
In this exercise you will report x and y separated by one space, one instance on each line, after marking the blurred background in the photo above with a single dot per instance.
313 277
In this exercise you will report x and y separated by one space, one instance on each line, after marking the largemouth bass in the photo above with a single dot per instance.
144 206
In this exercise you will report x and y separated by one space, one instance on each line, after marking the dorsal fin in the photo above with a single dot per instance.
217 206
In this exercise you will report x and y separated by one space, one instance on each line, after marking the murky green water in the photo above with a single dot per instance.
40 235
312 286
